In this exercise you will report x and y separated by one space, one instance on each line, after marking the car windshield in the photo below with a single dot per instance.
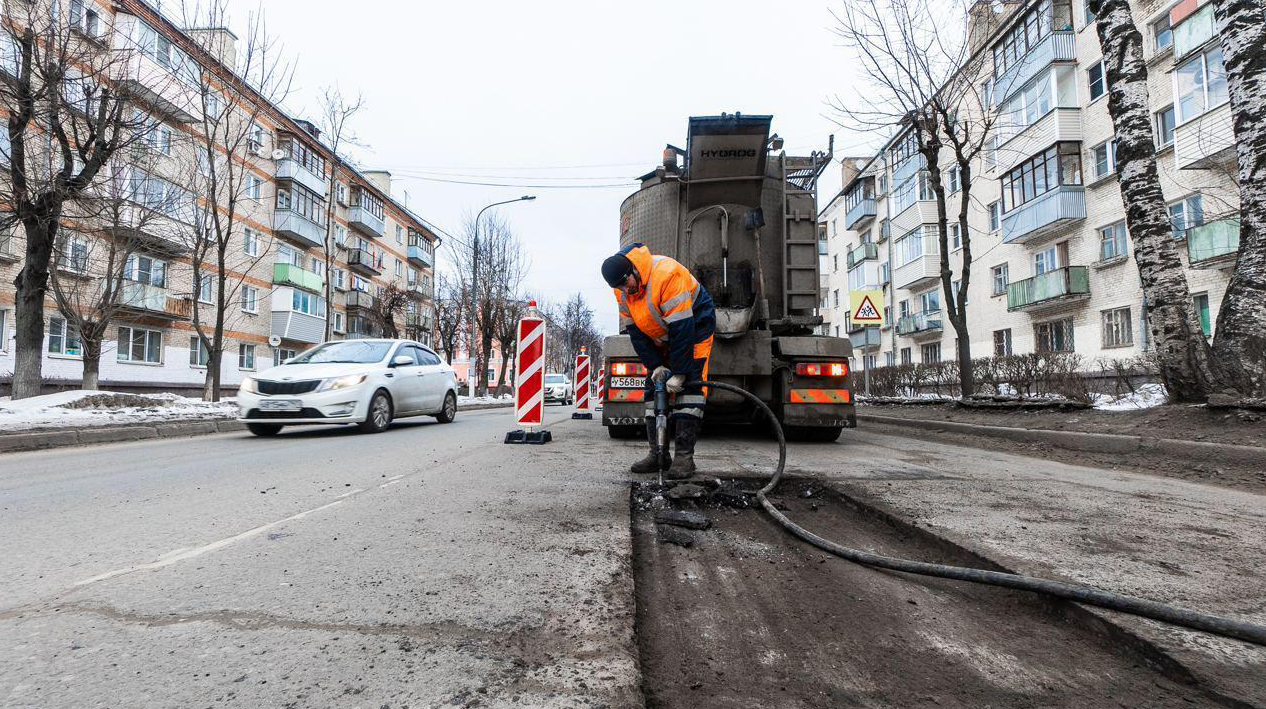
555 379
351 351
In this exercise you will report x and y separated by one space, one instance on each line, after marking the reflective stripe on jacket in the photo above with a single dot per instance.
672 312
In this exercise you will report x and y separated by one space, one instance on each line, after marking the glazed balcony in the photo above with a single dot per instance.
420 256
860 212
363 220
298 228
290 169
1058 46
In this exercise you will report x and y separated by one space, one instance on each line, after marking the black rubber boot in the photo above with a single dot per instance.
649 464
687 433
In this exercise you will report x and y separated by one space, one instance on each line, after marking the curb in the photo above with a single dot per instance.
1225 453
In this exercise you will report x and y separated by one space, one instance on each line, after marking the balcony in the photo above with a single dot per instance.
298 327
1205 141
285 274
156 85
920 325
1059 124
363 262
921 212
859 212
865 275
923 269
366 222
153 301
1055 47
153 231
359 300
866 252
298 228
418 256
418 290
295 171
1214 244
1059 287
1044 215
865 338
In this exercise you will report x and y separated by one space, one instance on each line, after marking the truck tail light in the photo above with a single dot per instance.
822 369
628 369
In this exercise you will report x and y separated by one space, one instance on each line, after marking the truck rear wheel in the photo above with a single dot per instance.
626 432
812 434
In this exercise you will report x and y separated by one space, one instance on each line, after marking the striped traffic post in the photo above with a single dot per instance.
529 380
602 388
583 403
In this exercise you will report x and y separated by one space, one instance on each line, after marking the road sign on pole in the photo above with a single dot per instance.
529 382
866 307
583 404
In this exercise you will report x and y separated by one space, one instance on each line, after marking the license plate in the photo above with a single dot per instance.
627 382
280 405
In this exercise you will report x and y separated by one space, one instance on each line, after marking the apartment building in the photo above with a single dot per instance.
1053 269
278 266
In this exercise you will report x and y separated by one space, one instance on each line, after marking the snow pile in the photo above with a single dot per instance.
503 399
1145 397
80 407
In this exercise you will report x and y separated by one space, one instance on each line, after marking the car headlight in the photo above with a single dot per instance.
343 382
248 385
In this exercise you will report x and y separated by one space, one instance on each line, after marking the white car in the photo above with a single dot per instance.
558 388
362 382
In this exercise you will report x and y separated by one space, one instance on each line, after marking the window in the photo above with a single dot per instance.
1162 34
304 202
881 185
4 330
254 187
1112 241
146 269
1186 213
1002 343
1116 328
305 302
363 199
914 245
1029 30
1000 279
154 134
1104 158
338 322
1202 310
1058 165
835 263
339 278
203 291
250 299
246 356
995 216
360 284
399 268
906 355
956 236
931 352
306 156
85 17
198 354
1098 81
835 297
986 93
340 193
885 274
953 179
1054 336
930 301
399 234
63 338
1046 260
956 286
890 358
250 242
73 254
161 50
1200 84
255 139
1088 17
153 192
991 152
281 355
1164 128
137 345
211 105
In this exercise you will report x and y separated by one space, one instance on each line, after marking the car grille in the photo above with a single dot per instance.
308 413
267 387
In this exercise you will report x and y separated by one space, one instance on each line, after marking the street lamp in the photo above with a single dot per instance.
474 287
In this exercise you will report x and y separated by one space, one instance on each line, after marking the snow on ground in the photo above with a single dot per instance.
81 407
1147 396
503 399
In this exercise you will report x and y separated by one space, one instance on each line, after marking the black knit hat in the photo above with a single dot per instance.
615 269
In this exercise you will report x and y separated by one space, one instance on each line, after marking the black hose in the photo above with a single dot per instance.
1218 625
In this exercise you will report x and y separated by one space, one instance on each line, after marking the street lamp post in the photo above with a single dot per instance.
474 292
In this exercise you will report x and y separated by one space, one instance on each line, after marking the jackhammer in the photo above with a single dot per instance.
661 426
1218 625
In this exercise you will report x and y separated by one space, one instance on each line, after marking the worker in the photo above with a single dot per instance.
670 318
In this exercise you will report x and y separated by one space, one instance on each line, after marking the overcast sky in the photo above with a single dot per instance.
517 93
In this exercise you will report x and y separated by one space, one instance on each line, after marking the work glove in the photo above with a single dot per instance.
660 374
676 383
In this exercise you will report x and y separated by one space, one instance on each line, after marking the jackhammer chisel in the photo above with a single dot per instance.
661 427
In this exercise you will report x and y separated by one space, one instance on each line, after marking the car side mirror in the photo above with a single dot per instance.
402 361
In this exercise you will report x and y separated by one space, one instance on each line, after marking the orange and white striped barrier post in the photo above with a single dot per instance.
584 404
601 396
529 381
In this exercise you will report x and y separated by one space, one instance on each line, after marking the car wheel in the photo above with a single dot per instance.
449 412
264 429
378 418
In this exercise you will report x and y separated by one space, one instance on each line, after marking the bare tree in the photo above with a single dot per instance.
928 81
450 304
1239 340
500 268
336 113
390 302
1186 363
507 336
70 112
225 188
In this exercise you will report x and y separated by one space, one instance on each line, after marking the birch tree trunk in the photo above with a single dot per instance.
92 362
1240 339
1186 363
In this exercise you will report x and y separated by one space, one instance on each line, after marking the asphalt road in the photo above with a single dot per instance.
432 565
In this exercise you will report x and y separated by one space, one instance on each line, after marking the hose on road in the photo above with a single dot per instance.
1218 625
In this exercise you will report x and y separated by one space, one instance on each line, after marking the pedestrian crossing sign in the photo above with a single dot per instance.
867 307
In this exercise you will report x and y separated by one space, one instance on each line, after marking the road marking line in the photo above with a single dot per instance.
393 482
171 558
349 493
394 478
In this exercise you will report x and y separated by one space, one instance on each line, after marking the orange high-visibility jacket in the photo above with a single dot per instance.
671 314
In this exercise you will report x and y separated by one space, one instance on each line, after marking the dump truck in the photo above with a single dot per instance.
741 214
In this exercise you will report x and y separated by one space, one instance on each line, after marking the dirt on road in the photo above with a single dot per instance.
748 616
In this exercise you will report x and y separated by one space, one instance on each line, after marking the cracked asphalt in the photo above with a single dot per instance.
426 566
